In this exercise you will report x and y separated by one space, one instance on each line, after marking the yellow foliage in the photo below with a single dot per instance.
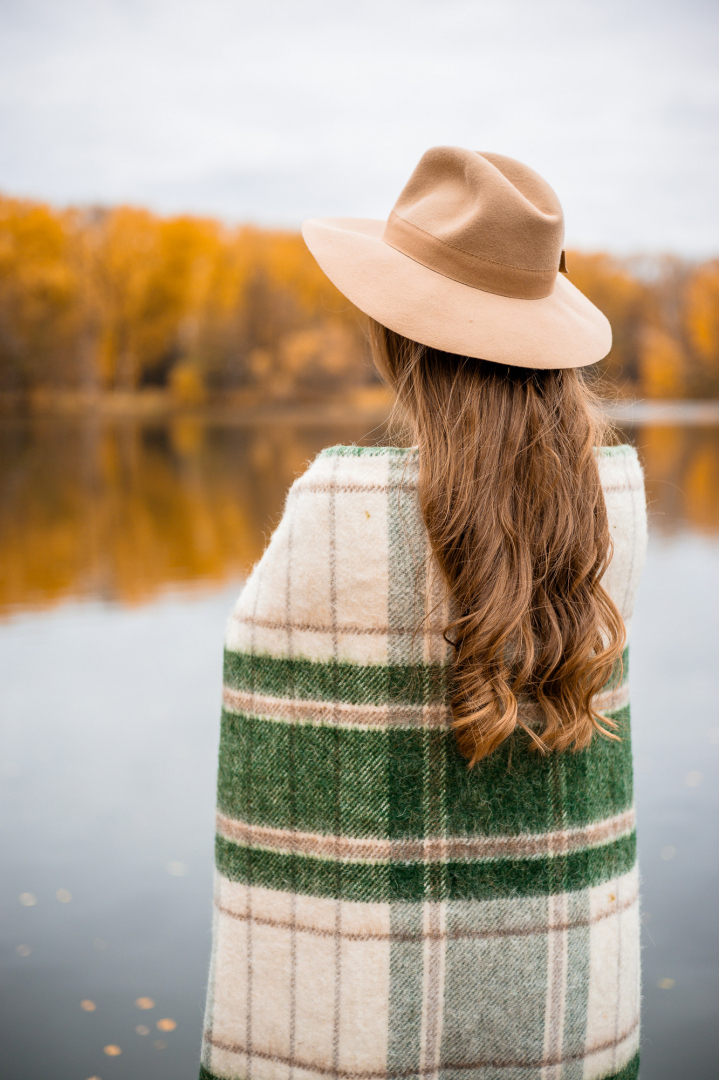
186 384
622 298
701 318
123 299
327 351
702 311
37 295
662 364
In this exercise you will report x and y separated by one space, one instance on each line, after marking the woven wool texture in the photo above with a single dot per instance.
381 911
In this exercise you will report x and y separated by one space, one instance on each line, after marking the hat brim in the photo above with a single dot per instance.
562 330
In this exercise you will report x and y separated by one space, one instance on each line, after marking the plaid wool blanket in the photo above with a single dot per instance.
381 911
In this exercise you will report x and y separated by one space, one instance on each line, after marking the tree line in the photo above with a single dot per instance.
123 300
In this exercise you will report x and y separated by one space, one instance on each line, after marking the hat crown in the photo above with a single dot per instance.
482 219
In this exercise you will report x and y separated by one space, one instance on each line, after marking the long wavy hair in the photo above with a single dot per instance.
512 501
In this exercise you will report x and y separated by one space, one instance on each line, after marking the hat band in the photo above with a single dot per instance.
463 266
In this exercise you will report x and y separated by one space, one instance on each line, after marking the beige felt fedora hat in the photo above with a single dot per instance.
468 262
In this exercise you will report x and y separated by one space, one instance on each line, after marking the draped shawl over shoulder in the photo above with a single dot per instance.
381 911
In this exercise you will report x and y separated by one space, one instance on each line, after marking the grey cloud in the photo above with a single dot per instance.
270 112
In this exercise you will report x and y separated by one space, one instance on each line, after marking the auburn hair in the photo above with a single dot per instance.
512 501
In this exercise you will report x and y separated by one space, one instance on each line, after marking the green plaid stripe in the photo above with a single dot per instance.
386 883
354 684
384 776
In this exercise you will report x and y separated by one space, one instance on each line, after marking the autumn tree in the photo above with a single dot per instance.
38 297
701 326
622 298
122 299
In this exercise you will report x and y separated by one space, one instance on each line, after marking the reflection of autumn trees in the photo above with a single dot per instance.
682 475
124 510
121 300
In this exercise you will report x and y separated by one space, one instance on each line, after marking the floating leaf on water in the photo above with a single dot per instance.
64 896
176 869
166 1024
144 1003
87 1005
142 1030
112 1050
665 984
27 899
23 950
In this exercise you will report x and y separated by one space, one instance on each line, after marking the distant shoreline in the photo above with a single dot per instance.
660 411
368 403
372 404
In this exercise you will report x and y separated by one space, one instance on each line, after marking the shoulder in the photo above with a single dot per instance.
622 480
620 469
321 588
358 470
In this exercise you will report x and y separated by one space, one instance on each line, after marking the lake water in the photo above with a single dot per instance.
122 548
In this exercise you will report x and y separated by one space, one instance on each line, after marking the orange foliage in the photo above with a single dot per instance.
701 315
662 364
609 284
122 299
38 324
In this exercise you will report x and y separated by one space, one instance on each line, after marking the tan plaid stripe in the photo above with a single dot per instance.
341 628
301 711
455 934
431 849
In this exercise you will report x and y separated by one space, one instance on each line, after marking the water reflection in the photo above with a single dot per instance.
122 510
110 724
681 464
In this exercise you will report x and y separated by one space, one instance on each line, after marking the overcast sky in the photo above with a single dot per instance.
276 110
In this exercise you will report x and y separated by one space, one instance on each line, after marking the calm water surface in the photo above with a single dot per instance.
122 548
